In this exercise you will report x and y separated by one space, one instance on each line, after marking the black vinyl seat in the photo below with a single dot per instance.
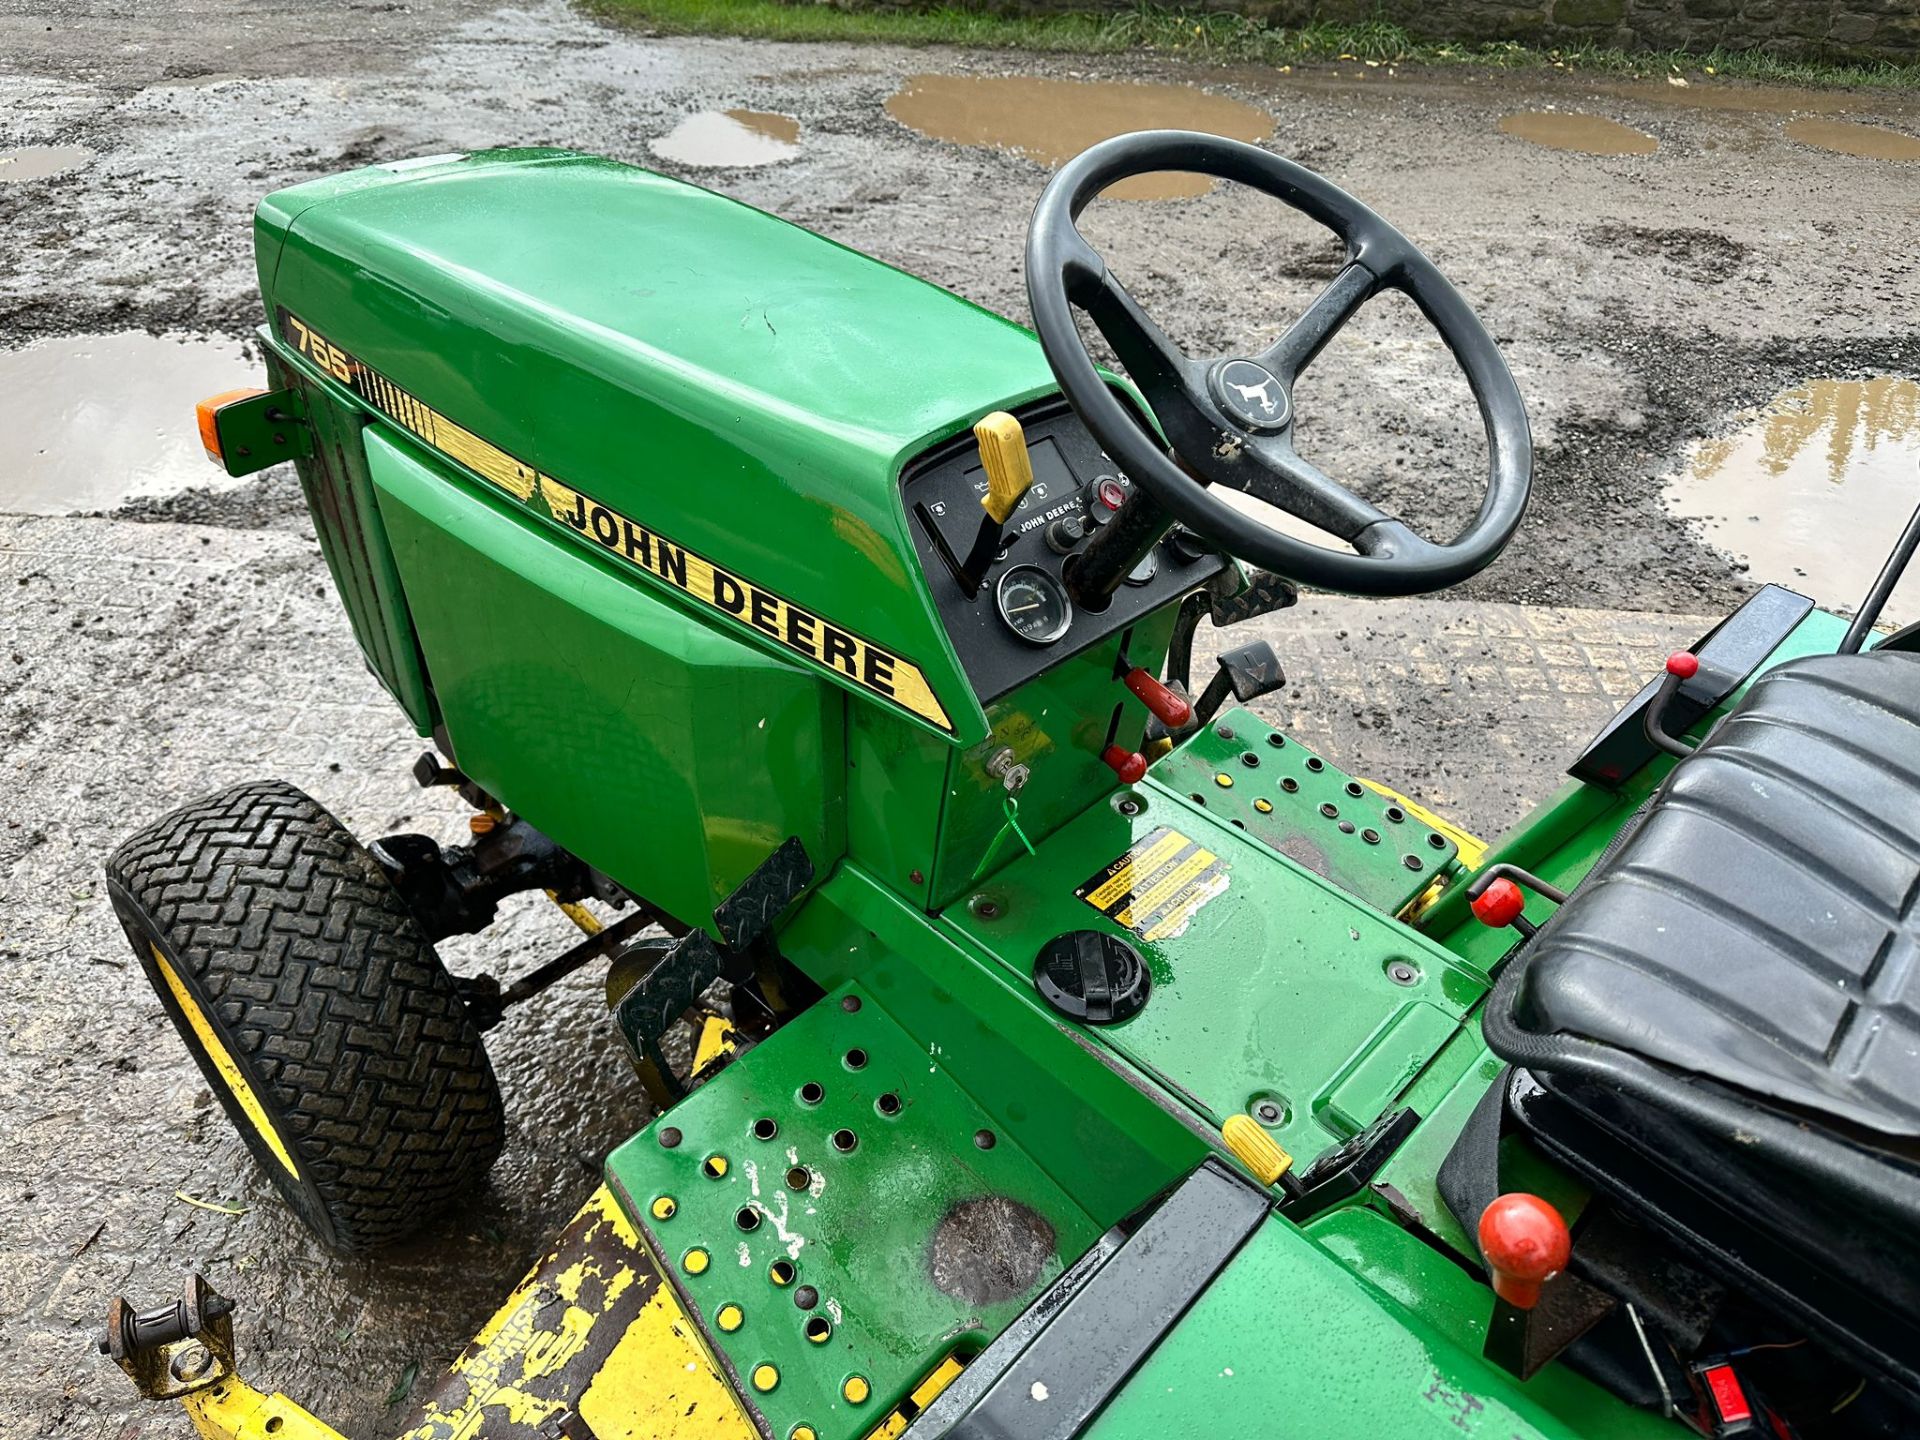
1725 1016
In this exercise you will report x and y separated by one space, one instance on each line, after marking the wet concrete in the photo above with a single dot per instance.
97 421
193 640
1570 130
1810 489
37 162
1050 121
730 138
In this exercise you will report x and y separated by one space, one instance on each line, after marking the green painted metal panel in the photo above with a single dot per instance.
1437 1295
1256 779
654 747
1290 1340
740 386
1278 987
353 540
917 1241
1107 1138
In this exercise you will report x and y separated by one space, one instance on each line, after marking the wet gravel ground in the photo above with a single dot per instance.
190 642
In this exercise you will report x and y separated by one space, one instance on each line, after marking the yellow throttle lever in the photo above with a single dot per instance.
1003 449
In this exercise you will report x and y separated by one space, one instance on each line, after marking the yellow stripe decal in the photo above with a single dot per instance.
1158 886
223 1062
834 647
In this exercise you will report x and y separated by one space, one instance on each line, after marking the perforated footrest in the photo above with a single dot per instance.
1277 790
840 1218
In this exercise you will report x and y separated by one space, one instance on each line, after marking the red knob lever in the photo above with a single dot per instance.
1129 765
1171 710
1501 903
1526 1244
1683 665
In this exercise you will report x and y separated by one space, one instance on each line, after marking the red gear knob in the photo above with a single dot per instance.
1683 665
1526 1244
1129 765
1501 903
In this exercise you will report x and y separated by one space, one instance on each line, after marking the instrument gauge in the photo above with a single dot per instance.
1034 604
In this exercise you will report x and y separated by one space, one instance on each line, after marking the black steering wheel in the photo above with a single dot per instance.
1230 420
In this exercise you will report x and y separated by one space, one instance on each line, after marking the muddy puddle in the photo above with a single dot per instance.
94 421
37 162
1570 130
1846 137
1049 121
730 138
1813 488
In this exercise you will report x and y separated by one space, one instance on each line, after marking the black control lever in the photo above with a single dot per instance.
1246 673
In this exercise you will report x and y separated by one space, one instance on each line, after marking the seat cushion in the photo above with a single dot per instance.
1760 926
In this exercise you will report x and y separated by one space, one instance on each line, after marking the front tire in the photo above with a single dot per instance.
315 1007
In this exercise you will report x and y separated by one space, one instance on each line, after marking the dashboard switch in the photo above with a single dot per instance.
1065 534
1169 708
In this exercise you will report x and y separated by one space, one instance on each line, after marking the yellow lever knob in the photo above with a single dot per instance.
1255 1148
1003 448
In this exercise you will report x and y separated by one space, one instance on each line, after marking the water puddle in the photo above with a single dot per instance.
1813 488
730 138
1049 121
37 162
1846 137
94 421
1735 99
1570 130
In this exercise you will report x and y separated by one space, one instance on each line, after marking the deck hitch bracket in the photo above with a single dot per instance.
174 1349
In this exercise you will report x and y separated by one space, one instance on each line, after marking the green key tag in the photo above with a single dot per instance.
1012 811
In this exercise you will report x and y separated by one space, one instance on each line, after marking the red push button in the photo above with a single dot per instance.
1730 1402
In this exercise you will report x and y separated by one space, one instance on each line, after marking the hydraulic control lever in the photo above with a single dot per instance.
1003 450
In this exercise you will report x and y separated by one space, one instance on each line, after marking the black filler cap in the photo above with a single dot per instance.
1091 976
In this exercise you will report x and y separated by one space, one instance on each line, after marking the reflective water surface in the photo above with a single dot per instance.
730 138
1050 121
96 420
1812 489
1570 130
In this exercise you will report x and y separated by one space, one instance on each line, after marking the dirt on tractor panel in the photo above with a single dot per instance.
193 641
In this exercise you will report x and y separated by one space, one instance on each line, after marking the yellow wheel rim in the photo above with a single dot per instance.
223 1062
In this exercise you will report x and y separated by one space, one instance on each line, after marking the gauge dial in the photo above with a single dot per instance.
1034 604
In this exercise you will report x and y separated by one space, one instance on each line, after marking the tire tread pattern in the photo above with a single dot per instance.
324 987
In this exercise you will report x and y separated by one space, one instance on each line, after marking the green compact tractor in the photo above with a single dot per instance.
1040 1043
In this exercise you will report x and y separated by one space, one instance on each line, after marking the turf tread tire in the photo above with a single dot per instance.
329 998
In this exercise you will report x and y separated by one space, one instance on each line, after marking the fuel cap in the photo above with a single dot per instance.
1091 976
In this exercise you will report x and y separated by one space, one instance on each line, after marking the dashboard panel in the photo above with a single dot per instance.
1021 622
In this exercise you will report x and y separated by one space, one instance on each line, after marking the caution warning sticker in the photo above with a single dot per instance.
834 647
1158 886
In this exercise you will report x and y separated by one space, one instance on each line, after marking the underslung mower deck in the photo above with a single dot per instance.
1038 1042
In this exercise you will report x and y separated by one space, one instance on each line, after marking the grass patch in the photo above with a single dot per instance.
1212 37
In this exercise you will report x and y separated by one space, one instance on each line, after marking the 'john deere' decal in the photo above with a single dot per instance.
1157 887
692 574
